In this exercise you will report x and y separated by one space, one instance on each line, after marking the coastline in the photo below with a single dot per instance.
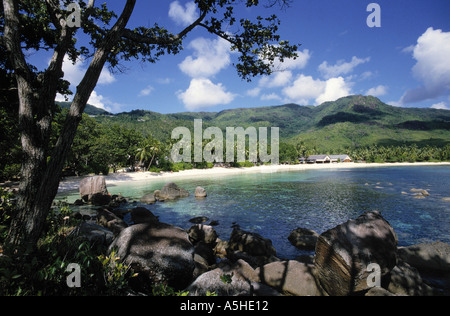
72 183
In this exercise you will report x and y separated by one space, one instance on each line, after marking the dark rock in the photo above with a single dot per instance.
99 199
141 215
251 247
202 233
94 234
109 220
159 252
199 220
78 202
427 256
303 239
344 253
406 280
251 243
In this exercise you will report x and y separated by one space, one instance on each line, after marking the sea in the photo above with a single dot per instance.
274 204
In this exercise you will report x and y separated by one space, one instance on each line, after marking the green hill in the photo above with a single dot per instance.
90 109
353 121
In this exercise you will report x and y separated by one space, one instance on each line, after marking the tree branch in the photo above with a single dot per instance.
11 39
155 40
55 13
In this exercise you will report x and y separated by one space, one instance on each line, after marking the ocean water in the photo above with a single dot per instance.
274 204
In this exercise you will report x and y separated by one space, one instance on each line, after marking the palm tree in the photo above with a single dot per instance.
143 152
148 150
154 150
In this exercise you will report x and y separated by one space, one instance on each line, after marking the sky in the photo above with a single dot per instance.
404 59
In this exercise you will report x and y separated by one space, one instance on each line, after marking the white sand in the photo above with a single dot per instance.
72 183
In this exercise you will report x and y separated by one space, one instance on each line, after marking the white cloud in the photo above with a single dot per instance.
335 88
306 88
377 91
183 15
254 92
432 68
146 91
271 97
203 93
74 73
210 57
278 79
98 101
164 80
440 106
341 67
290 63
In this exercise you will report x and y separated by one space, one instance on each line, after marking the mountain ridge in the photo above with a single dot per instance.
351 121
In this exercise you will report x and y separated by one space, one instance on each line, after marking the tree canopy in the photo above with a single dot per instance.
43 25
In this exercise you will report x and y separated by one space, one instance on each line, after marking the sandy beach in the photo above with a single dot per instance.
72 183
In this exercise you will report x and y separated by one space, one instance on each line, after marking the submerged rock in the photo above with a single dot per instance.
148 199
199 220
171 191
200 192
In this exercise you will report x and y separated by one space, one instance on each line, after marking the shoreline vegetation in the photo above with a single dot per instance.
71 183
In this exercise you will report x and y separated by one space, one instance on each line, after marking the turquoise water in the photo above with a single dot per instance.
275 204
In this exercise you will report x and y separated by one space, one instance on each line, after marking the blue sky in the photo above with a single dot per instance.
405 62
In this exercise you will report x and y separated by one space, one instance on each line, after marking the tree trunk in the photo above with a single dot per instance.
39 178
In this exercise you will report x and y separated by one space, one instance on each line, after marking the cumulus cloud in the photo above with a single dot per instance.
432 68
377 91
146 91
204 93
306 88
74 73
98 101
271 97
209 58
291 64
278 79
335 88
183 15
440 106
341 67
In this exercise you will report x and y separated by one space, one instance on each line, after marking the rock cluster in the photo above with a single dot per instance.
359 257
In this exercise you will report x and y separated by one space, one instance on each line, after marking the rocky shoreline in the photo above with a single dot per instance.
359 257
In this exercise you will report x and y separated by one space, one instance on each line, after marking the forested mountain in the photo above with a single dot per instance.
353 121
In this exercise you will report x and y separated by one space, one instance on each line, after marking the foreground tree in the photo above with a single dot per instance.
35 25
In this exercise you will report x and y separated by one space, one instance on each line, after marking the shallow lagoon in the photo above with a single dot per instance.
273 204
